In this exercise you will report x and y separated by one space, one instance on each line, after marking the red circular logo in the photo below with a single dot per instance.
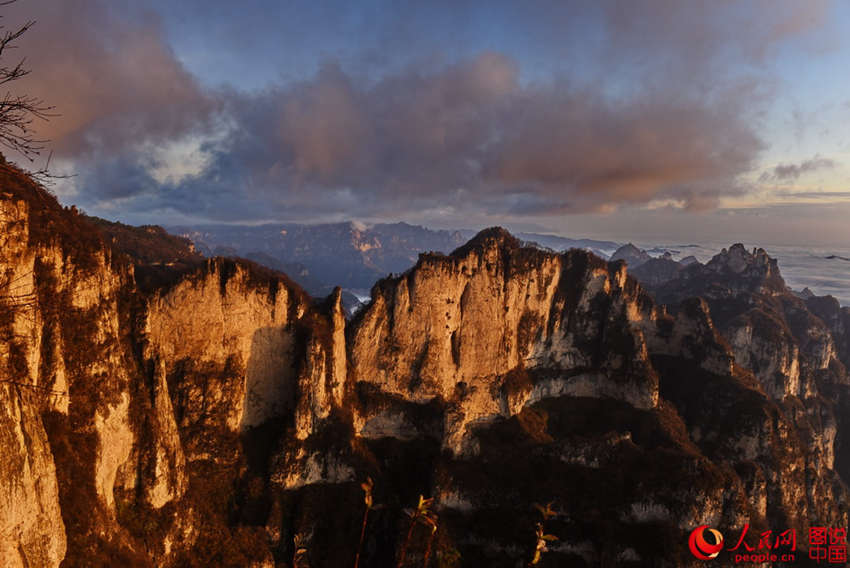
703 549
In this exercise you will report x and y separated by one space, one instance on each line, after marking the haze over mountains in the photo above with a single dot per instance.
351 255
355 256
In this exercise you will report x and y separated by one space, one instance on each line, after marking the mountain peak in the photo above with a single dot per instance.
756 266
633 256
490 238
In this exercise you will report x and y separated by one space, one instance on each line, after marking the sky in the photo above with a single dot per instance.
652 120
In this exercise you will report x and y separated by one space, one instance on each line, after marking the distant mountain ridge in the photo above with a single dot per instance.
345 254
632 255
558 243
348 254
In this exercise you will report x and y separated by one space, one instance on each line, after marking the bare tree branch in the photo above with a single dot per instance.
17 112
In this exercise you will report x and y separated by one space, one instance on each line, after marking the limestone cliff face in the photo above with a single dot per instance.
475 327
117 403
771 332
322 380
501 338
788 346
741 270
836 319
31 529
226 345
213 414
51 299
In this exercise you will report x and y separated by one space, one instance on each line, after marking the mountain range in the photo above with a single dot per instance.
351 255
160 408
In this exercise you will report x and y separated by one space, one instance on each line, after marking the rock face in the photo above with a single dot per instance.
796 348
129 409
344 254
657 270
423 337
210 413
31 526
786 341
632 255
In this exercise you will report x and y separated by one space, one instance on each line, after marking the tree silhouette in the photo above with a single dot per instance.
17 111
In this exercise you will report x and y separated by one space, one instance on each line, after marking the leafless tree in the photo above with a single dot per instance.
18 111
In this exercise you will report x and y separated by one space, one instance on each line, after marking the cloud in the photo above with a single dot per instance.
112 78
648 112
792 172
466 135
707 34
838 196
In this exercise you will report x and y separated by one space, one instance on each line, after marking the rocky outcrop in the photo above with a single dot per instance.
231 361
121 399
685 379
742 270
467 328
217 415
657 270
632 255
60 323
770 331
732 272
837 320
31 529
789 346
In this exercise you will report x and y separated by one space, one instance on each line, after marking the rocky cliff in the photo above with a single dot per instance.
631 255
134 411
215 415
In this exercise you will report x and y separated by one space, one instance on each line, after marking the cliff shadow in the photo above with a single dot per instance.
270 391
